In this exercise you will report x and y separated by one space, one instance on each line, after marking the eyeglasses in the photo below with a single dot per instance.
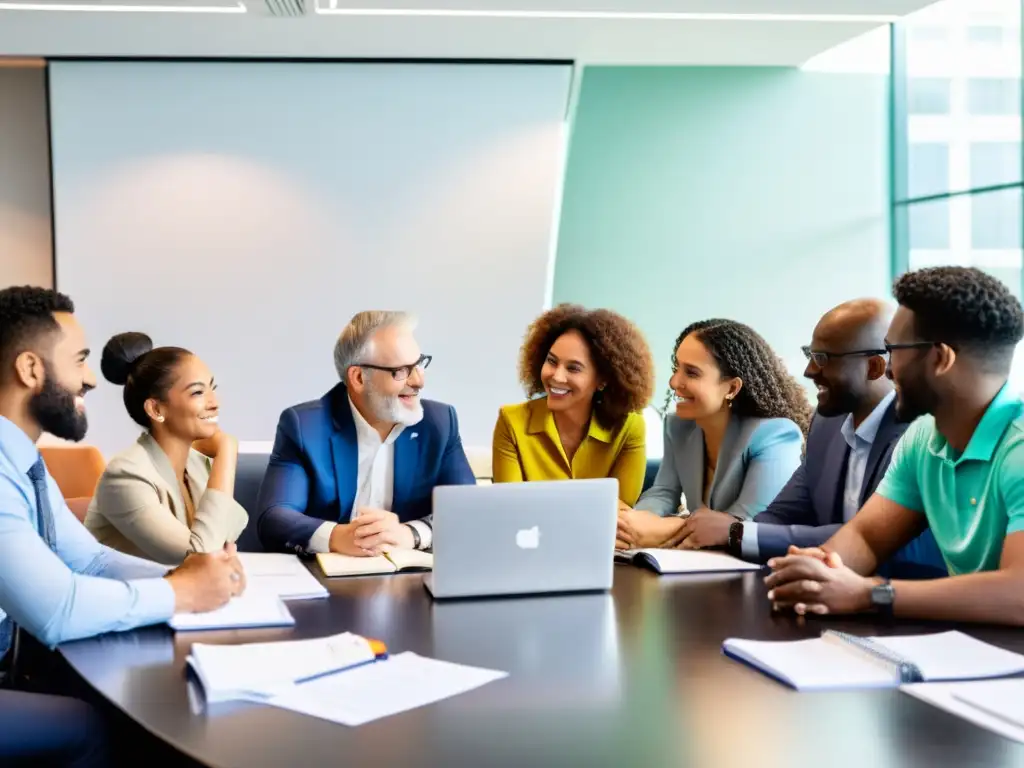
400 372
821 359
910 345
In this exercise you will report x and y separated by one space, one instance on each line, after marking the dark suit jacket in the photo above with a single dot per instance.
312 472
809 509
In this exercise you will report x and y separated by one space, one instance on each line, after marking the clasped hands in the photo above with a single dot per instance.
815 580
372 533
703 528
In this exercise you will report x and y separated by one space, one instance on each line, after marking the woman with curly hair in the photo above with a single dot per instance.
733 443
596 373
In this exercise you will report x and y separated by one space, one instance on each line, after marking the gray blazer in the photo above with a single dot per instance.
755 460
138 506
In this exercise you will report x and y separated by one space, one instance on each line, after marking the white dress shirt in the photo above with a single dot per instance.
375 480
860 442
81 588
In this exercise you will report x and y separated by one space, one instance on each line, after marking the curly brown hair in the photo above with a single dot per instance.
769 391
620 352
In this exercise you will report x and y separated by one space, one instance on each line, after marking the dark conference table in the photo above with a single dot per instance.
631 678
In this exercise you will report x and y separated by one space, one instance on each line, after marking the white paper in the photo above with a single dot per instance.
953 656
1000 698
814 664
828 662
252 609
282 574
696 561
370 692
949 696
260 670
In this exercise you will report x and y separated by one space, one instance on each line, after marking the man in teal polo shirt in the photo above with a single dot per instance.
959 468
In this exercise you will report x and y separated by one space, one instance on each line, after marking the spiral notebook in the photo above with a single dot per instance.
837 660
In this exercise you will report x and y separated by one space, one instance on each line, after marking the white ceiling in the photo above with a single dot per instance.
588 31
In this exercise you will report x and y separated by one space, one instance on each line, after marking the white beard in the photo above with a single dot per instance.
390 409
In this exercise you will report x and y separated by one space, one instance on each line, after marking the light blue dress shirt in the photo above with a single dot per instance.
860 442
79 589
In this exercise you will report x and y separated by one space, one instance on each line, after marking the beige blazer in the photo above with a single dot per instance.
138 508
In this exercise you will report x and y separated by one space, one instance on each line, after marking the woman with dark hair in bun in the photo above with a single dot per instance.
172 492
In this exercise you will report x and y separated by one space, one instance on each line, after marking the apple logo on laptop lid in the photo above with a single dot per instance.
528 538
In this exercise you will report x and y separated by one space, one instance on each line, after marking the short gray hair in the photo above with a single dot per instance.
353 346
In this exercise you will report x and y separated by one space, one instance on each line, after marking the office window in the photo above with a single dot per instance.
995 162
957 173
928 95
928 226
996 223
927 169
986 34
993 96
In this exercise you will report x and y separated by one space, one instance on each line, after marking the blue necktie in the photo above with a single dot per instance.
44 527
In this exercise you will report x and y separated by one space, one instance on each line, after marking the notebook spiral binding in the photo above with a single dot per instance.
907 671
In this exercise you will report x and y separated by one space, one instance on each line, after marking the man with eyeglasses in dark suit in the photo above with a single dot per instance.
354 471
852 437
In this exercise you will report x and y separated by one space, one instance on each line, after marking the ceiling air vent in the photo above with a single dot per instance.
286 7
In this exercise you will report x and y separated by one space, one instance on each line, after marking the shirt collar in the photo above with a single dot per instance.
17 446
868 429
1004 408
367 434
542 421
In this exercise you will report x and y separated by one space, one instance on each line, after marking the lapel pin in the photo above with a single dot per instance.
414 435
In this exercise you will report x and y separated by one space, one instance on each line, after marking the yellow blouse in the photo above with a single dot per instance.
527 447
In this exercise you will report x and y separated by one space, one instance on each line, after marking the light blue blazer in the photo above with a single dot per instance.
757 458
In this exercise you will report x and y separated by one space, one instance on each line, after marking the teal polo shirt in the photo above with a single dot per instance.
972 501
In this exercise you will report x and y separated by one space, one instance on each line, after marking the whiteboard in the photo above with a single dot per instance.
247 210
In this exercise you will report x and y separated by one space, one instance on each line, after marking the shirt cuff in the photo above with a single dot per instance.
155 601
320 541
425 531
748 544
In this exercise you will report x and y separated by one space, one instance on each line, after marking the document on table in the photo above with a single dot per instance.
282 574
257 671
252 609
996 705
403 682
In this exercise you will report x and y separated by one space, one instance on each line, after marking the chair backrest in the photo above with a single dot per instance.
248 478
79 505
75 468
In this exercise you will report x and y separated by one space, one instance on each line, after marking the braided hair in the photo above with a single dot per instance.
769 391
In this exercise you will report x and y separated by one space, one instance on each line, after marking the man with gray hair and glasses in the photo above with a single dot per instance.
354 471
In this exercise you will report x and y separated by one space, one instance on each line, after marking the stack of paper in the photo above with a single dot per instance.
284 575
252 609
403 682
259 670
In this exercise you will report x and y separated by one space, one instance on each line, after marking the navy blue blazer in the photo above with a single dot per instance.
809 509
311 477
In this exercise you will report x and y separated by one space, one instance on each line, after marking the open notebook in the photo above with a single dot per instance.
685 560
254 608
333 564
257 671
837 660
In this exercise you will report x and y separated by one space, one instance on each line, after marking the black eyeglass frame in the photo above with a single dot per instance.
399 372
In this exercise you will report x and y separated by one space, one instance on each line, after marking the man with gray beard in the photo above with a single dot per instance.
354 471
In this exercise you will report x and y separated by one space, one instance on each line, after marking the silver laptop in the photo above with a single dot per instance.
524 538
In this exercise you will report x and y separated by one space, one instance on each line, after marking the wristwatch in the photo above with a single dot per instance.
416 540
735 543
882 598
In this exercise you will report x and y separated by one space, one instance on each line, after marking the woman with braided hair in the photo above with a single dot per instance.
733 442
